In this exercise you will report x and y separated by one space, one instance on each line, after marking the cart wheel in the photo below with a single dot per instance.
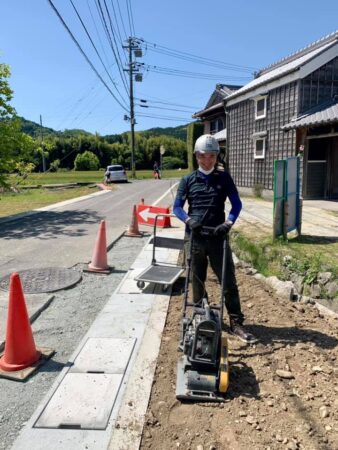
140 284
165 287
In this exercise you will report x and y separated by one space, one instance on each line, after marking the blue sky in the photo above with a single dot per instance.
51 77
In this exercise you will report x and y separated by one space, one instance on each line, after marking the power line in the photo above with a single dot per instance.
84 54
116 57
167 109
167 103
89 37
124 28
116 21
113 34
195 58
97 31
165 117
188 74
130 18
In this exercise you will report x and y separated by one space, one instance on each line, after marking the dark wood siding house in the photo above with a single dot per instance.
213 115
289 109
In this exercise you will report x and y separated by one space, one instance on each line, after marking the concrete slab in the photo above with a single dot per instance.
35 303
82 401
106 355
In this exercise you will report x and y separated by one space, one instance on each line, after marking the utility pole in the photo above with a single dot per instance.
132 116
42 149
133 44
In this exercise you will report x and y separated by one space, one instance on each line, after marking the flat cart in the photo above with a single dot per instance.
160 272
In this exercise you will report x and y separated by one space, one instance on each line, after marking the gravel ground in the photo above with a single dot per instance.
61 327
283 391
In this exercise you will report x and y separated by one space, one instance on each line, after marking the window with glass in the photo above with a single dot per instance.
260 108
259 148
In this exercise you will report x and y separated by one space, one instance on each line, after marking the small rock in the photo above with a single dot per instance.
284 407
269 403
307 427
315 290
316 369
148 434
328 428
199 447
284 374
324 277
299 308
242 414
323 412
285 440
279 438
249 305
251 420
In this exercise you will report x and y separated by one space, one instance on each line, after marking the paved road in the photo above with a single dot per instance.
63 236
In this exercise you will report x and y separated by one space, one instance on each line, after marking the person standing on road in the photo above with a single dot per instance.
206 190
157 174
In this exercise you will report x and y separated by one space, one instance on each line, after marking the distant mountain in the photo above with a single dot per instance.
179 132
34 129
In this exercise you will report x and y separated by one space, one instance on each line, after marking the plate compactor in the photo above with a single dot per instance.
202 370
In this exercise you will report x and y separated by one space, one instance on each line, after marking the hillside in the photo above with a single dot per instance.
33 129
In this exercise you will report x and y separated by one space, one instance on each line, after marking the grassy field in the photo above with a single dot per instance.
28 199
83 177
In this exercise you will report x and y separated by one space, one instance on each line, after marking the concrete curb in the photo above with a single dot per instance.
130 314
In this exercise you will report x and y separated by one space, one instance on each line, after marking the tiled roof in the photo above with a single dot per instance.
319 115
319 43
282 70
215 101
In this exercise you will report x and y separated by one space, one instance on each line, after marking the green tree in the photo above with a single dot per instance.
86 161
15 146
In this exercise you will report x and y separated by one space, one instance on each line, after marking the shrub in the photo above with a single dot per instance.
257 190
86 161
54 165
171 162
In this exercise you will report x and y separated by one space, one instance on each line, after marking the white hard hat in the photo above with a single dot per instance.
206 144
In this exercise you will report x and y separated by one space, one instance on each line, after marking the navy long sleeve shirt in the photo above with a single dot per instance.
206 196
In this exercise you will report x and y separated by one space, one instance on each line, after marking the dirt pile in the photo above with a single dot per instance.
283 391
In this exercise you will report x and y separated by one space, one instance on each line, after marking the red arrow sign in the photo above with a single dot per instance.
146 215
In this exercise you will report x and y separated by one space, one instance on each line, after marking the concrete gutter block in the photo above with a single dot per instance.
82 401
131 415
104 355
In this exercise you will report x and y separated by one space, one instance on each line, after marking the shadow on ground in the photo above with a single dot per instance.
284 336
50 224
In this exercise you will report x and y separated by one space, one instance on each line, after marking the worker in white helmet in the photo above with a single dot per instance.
206 190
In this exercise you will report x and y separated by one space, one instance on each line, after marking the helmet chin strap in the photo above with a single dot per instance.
206 172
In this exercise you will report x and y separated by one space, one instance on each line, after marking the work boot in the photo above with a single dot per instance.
238 330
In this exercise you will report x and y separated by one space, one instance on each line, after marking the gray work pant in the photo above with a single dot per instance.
210 249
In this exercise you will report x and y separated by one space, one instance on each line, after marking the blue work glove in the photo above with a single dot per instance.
194 225
223 229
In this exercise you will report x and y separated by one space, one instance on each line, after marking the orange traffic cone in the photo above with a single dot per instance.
133 230
99 258
20 351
